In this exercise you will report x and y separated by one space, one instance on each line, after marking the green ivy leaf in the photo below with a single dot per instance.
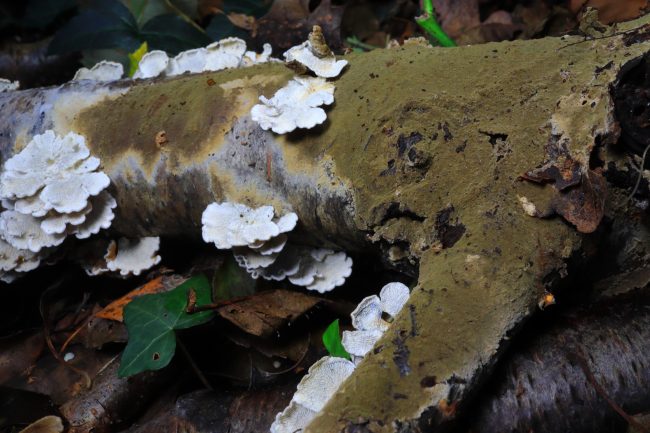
135 57
171 33
104 24
332 341
152 321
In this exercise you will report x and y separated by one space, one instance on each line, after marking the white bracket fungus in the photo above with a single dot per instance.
317 269
152 64
132 256
252 260
13 261
327 374
236 225
50 190
252 58
368 322
224 54
297 105
314 390
8 85
103 71
315 55
259 242
192 61
25 233
322 270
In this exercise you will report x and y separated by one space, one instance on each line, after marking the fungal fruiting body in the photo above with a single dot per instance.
103 71
50 190
368 320
315 55
327 374
259 243
298 104
228 53
8 85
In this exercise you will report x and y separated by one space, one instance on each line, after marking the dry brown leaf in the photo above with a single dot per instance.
47 424
296 21
265 313
457 16
115 310
612 11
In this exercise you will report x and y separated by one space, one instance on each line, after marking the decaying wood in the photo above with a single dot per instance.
421 157
562 380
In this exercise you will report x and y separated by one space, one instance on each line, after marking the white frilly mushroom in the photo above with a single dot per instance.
8 85
224 54
297 105
314 390
24 232
317 269
132 256
59 170
326 67
152 64
103 71
368 322
14 262
52 189
192 61
251 260
100 217
236 225
331 272
326 375
252 58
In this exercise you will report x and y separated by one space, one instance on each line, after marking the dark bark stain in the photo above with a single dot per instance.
401 353
448 233
447 135
414 324
396 210
390 171
404 144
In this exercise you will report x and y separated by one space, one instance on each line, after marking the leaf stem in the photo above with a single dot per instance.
184 16
193 364
192 308
430 25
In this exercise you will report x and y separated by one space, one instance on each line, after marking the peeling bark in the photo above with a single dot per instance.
419 143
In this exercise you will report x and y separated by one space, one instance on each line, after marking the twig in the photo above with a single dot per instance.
48 338
638 179
192 308
193 365
599 38
582 362
181 14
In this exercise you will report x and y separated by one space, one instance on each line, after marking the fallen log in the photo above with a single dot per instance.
443 159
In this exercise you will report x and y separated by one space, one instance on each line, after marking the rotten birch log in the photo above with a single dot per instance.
421 156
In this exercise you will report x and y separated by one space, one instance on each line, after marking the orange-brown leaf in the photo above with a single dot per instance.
114 310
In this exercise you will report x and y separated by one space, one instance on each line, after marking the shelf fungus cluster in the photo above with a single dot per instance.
103 71
258 240
50 190
224 54
327 374
298 104
124 257
8 85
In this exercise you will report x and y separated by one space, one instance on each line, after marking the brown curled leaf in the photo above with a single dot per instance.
583 205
